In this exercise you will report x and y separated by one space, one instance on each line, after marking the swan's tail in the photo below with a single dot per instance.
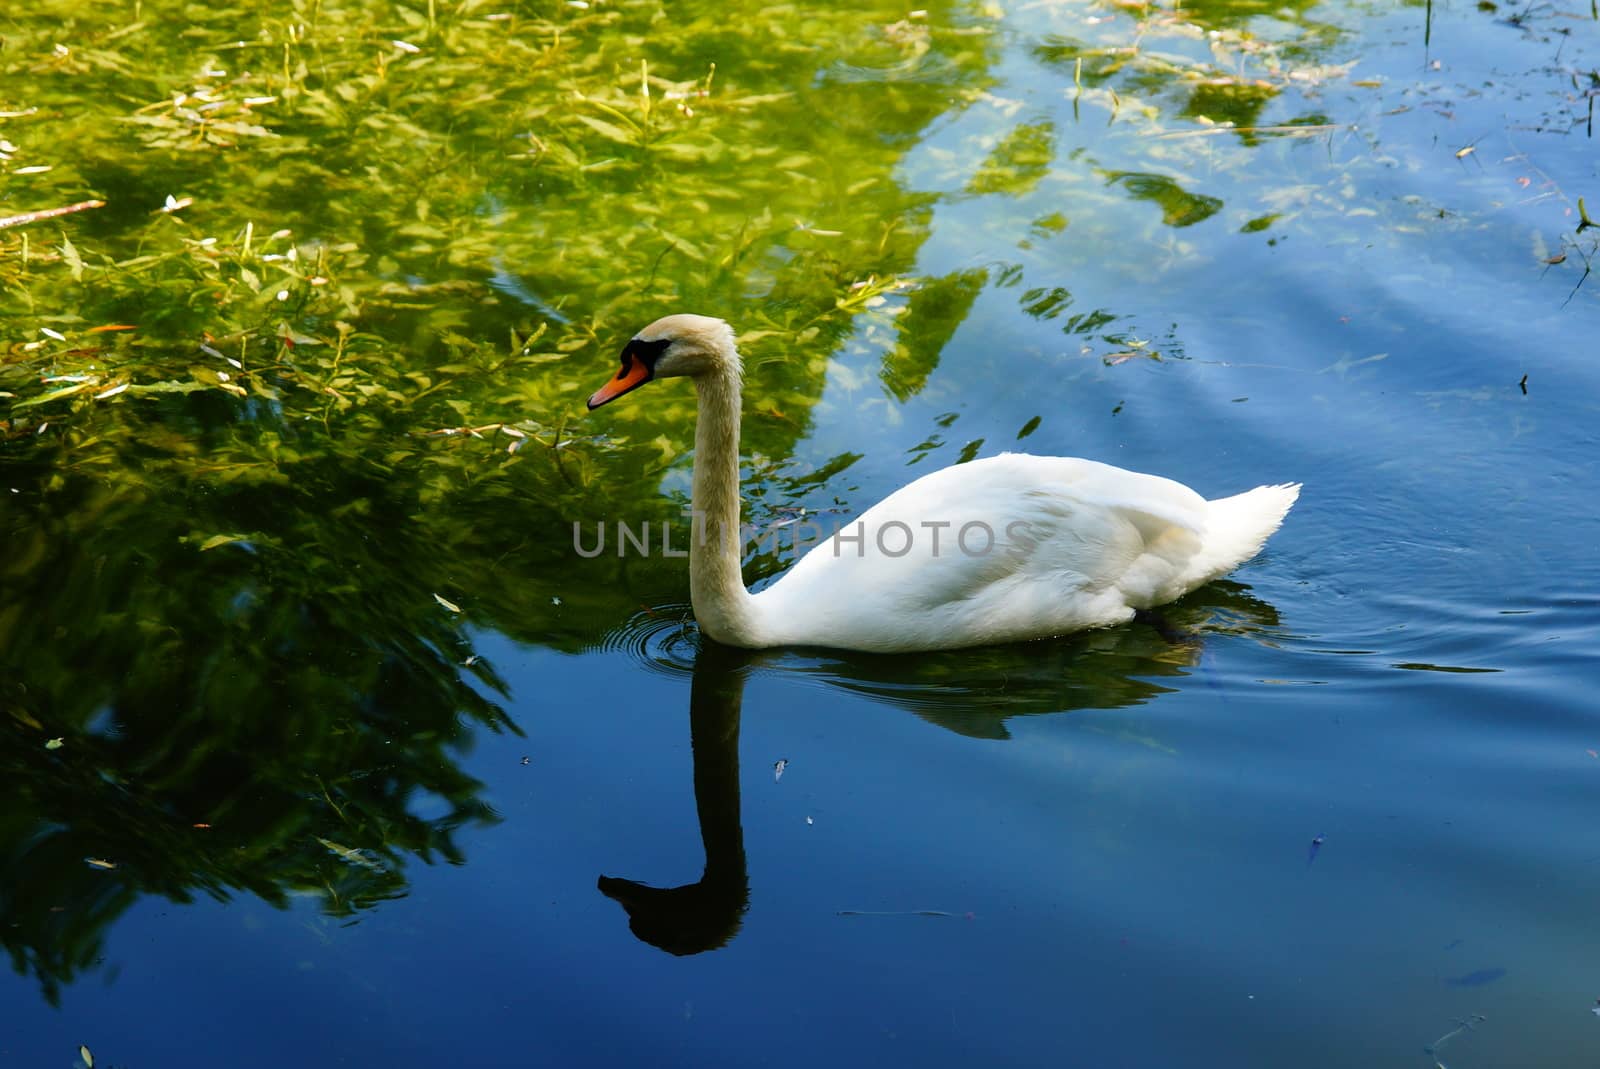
1238 526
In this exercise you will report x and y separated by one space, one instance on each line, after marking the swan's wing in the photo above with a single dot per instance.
1072 529
994 547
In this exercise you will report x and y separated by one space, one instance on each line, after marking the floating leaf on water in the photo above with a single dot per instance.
55 744
56 395
355 857
88 1058
69 253
609 130
447 604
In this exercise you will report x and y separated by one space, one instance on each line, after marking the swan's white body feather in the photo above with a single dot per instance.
1009 548
1075 544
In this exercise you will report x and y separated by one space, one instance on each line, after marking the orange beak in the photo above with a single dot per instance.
634 374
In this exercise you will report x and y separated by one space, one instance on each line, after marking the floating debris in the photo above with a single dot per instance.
352 855
894 913
100 863
49 213
1461 1026
778 767
452 606
55 744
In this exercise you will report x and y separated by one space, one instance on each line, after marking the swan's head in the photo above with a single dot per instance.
675 345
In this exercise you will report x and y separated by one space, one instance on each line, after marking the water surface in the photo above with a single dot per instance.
352 742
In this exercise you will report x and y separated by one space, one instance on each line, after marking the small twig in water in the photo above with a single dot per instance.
1461 1026
1588 266
893 913
49 213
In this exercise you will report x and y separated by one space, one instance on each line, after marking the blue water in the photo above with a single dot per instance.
1095 851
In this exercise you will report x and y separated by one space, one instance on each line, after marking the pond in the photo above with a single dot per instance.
324 743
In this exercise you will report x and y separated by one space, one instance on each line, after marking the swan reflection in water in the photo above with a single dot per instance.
970 692
705 914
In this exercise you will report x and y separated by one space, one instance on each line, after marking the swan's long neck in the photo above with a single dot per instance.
722 606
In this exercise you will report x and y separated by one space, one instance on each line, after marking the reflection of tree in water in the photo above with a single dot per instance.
224 607
970 692
277 715
234 605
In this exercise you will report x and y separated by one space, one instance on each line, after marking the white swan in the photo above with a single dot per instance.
1052 544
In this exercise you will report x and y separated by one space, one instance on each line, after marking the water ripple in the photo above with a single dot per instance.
663 640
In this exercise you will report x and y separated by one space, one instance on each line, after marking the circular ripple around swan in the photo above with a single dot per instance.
663 639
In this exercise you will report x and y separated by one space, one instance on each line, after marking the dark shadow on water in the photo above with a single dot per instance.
969 692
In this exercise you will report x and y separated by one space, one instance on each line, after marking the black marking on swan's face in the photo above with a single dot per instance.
647 351
638 367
